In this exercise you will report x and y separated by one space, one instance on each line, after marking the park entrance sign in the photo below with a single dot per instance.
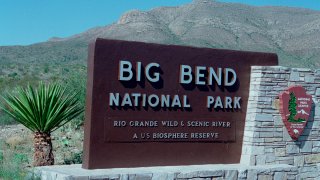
153 105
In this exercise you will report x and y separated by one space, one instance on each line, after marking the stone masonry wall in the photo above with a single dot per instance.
266 139
268 152
192 172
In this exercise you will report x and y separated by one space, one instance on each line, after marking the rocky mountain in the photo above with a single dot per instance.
292 33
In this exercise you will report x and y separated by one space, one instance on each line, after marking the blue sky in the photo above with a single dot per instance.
24 22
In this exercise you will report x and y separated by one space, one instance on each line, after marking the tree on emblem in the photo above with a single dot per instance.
293 109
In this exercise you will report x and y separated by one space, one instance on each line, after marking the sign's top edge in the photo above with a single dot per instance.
98 40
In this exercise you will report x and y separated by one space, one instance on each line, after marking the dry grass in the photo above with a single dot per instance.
15 141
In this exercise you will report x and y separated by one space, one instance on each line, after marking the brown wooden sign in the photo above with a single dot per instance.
295 108
151 104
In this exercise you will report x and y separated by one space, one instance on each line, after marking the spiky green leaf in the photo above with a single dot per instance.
43 109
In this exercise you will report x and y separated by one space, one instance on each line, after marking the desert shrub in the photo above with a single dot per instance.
76 82
76 158
66 70
46 69
20 158
12 75
12 66
6 119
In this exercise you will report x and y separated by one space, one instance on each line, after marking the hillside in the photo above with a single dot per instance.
292 33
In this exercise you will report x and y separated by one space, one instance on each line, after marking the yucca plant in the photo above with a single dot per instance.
42 110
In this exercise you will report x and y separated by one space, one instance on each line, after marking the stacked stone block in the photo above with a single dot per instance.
193 172
266 139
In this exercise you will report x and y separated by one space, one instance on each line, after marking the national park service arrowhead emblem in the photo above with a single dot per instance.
295 108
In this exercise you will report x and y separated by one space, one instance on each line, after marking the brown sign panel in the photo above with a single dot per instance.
295 108
152 105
